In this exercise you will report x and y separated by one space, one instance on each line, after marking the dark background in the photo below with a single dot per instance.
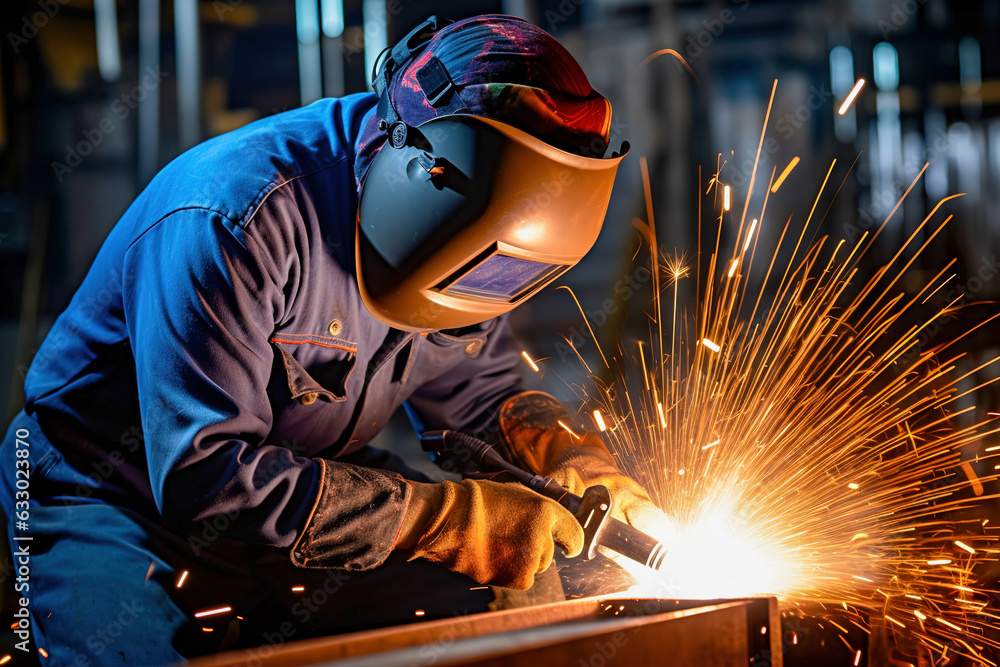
83 127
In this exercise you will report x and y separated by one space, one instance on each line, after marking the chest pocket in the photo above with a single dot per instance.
316 367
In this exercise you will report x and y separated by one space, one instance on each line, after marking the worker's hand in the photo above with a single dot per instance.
534 439
501 534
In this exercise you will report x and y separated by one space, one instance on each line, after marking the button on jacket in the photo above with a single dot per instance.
218 354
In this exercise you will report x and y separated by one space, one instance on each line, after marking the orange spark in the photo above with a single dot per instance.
568 429
212 612
531 362
850 97
784 174
180 582
726 198
710 345
599 420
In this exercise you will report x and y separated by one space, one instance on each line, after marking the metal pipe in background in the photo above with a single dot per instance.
310 66
148 145
332 22
109 61
187 39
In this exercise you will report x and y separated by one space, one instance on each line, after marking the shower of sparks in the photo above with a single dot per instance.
850 97
785 173
824 452
531 362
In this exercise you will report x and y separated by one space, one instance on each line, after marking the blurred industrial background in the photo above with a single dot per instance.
97 95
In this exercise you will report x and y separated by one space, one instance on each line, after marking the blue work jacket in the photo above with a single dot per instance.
217 358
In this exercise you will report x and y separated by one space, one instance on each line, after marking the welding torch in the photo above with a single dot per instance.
592 510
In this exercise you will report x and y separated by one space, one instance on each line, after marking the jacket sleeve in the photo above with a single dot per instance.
468 396
201 300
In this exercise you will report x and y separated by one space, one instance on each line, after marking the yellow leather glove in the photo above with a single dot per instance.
533 439
500 534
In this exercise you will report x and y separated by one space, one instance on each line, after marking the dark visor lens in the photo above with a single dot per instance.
502 277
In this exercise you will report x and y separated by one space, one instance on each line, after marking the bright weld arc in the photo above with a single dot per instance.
298 589
850 97
710 345
726 198
531 362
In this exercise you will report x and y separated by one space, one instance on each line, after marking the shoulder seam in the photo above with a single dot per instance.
266 191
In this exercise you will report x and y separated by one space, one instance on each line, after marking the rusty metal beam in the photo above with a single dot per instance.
577 633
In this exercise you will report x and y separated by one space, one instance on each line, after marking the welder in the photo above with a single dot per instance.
198 418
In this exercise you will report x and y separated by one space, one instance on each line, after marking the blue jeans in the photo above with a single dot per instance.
102 586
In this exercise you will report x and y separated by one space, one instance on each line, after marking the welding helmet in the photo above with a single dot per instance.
463 215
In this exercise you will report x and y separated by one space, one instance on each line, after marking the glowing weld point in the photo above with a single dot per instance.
785 173
43 653
857 658
795 638
963 545
710 345
298 589
732 267
419 612
568 429
763 629
4 660
663 420
213 612
531 362
753 226
599 420
681 471
850 97
919 615
208 629
852 486
184 575
941 561
726 198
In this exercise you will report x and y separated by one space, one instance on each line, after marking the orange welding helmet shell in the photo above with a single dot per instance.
462 217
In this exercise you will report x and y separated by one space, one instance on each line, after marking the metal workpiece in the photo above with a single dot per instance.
590 631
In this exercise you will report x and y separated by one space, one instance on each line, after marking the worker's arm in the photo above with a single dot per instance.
201 300
467 397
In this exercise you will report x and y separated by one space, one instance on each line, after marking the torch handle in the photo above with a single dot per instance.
606 532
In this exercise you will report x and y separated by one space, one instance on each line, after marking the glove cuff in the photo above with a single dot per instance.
355 519
533 439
